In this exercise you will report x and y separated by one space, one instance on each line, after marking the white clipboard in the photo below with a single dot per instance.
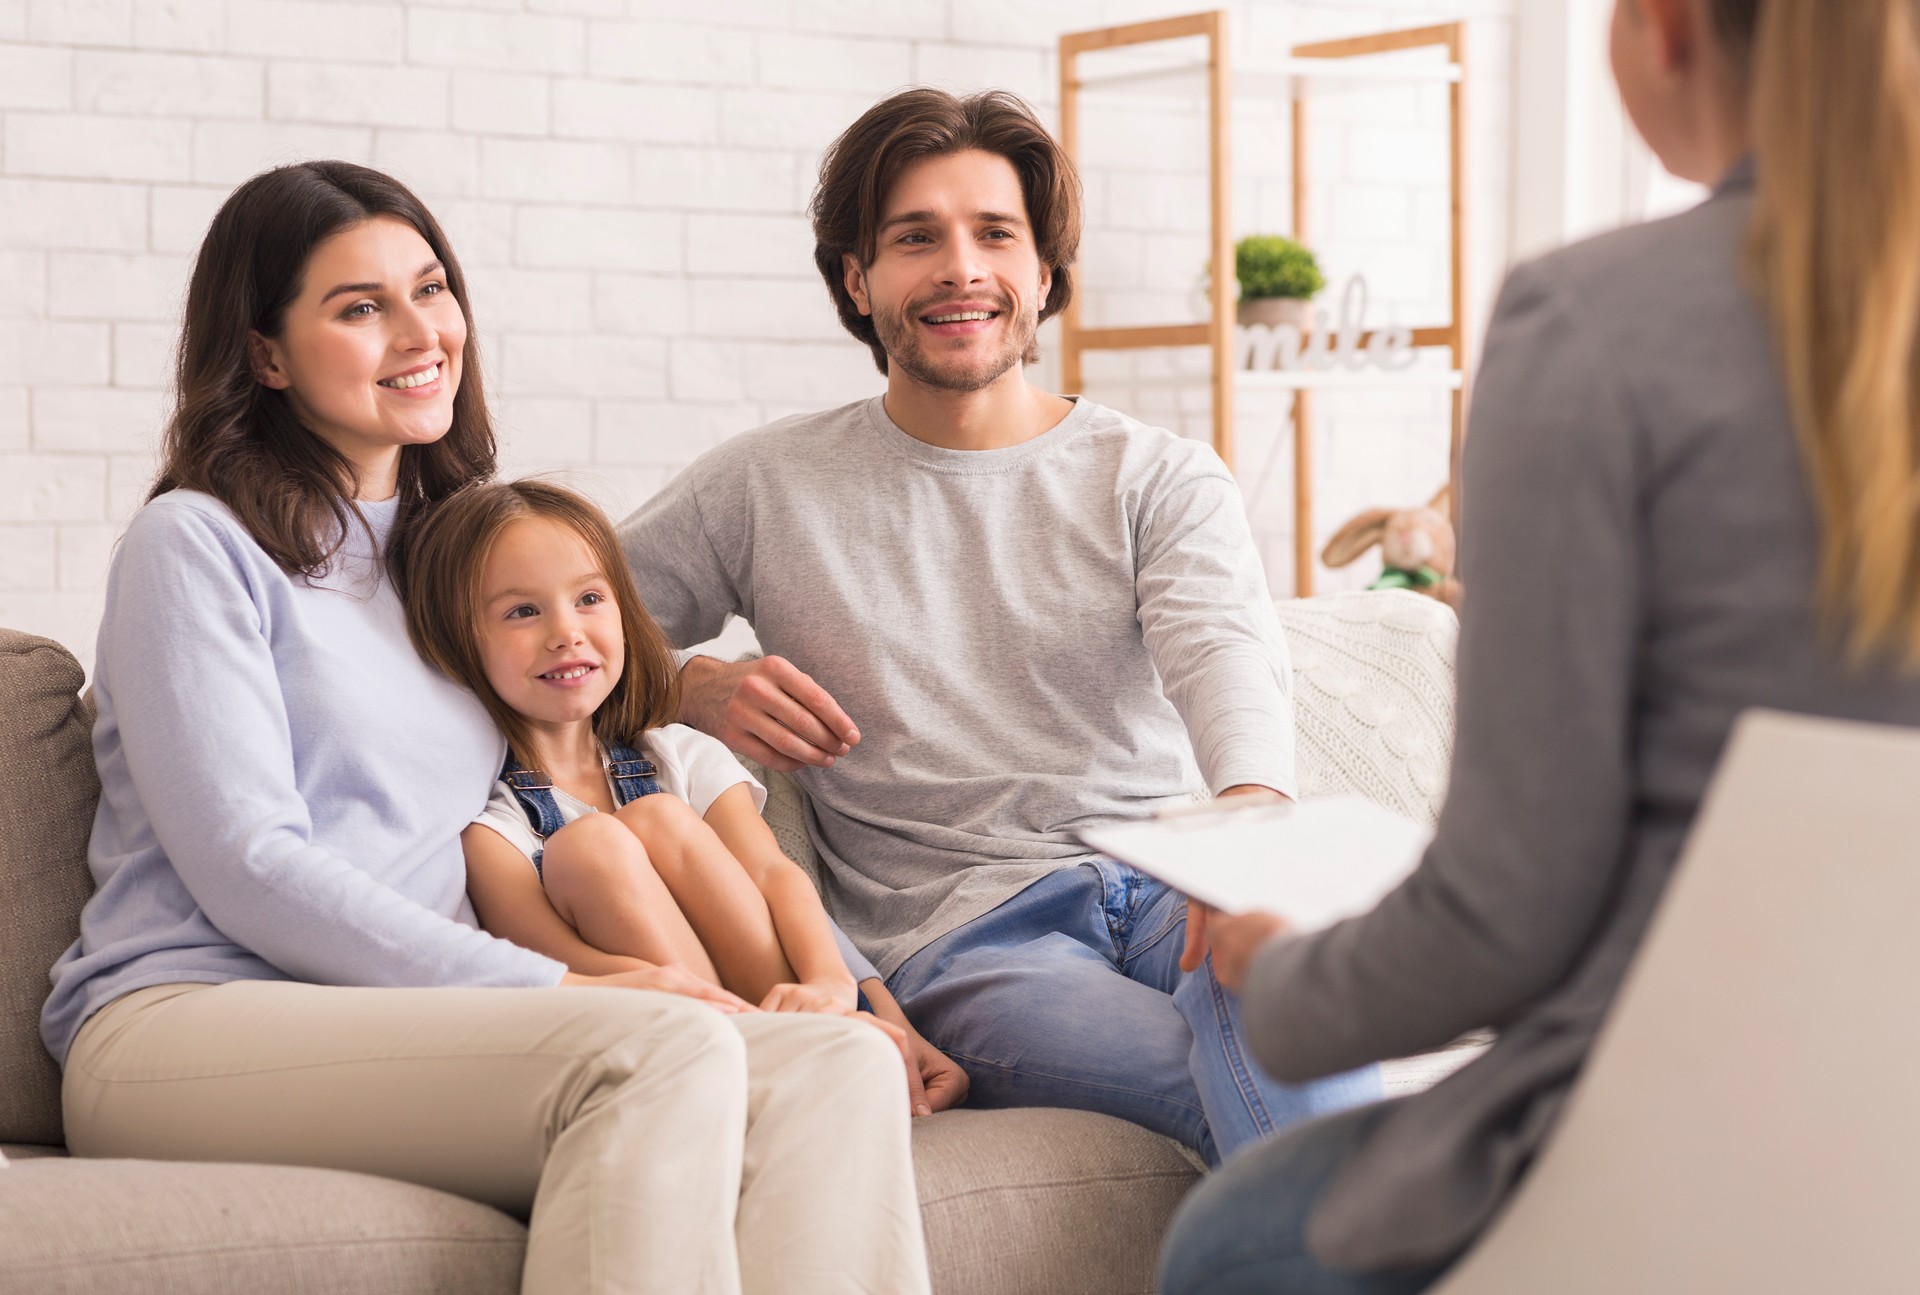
1312 862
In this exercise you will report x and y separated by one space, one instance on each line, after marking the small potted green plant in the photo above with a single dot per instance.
1278 277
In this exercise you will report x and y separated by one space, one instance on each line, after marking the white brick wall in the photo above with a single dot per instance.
625 181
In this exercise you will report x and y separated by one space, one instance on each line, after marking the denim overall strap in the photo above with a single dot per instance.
631 773
534 791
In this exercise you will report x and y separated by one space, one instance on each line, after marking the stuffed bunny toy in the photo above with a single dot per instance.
1416 545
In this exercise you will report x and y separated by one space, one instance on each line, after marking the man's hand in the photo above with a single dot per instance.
1251 789
1233 941
766 710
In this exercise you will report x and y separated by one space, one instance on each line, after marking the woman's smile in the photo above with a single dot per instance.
420 382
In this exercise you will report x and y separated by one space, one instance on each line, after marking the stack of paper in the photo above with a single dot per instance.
1312 863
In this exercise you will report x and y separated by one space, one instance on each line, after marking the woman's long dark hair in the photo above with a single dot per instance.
237 439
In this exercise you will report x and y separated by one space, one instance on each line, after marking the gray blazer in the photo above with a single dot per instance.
1639 552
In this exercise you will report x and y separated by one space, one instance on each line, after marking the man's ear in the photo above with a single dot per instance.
855 280
1046 284
263 354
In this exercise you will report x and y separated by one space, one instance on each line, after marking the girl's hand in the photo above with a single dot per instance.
809 996
922 1074
665 980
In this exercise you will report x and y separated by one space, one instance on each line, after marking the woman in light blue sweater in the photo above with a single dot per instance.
280 963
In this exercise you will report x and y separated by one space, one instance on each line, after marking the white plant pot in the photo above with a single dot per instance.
1274 311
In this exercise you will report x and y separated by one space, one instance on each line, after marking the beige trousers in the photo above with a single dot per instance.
658 1145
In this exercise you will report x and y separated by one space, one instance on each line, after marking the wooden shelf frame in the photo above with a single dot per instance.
1451 335
1217 333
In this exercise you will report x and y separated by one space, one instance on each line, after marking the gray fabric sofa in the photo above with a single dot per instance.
1014 1201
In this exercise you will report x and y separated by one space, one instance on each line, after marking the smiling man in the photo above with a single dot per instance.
994 616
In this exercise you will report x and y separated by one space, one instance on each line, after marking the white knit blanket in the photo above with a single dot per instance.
1373 697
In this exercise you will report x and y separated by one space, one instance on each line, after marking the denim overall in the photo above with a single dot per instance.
631 773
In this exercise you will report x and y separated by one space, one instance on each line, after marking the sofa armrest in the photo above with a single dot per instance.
48 789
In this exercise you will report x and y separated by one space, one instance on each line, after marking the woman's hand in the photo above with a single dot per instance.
665 980
830 998
1233 941
1195 952
935 1081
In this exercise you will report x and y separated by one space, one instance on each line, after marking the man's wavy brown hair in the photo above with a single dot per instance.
238 440
862 166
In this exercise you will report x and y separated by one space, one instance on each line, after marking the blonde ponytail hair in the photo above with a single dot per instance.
1836 250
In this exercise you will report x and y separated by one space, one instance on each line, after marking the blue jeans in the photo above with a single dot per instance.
1243 1230
1071 994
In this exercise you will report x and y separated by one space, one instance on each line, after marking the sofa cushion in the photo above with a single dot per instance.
134 1227
1052 1202
47 792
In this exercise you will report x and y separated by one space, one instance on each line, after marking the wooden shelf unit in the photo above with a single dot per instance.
1216 333
1291 77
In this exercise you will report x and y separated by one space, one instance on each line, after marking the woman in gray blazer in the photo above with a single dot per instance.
1693 487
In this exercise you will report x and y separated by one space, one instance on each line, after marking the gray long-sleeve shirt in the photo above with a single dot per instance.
1640 553
1031 640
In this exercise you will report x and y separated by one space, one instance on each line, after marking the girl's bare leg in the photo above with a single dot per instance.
714 892
599 878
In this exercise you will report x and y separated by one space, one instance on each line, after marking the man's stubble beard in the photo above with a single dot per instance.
905 352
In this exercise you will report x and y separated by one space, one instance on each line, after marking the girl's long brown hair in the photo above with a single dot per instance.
445 563
1835 93
238 440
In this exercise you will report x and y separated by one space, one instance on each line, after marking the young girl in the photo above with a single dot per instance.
613 838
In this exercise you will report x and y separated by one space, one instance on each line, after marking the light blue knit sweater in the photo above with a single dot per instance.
283 781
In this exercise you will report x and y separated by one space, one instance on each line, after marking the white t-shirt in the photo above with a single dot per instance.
687 763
